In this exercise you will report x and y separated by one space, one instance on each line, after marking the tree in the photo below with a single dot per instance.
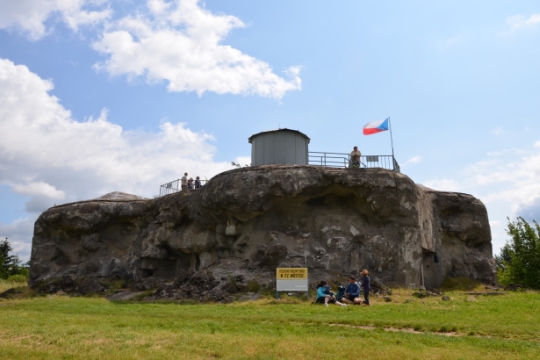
9 264
5 259
519 261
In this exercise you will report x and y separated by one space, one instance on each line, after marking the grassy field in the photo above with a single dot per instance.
466 327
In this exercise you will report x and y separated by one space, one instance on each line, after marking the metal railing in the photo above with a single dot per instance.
174 186
336 160
343 160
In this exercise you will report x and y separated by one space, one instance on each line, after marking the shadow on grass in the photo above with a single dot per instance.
17 293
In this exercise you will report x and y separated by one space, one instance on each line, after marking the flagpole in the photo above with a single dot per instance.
392 142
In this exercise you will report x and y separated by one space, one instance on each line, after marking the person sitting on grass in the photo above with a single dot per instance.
325 295
352 292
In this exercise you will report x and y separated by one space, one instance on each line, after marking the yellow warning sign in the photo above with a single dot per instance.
291 273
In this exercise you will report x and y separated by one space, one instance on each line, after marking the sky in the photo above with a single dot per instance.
99 95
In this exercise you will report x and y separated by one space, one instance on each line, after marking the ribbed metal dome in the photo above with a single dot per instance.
281 146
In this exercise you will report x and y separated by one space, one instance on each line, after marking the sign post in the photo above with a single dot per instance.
291 279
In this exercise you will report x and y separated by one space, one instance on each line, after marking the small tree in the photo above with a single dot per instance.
9 264
519 261
5 259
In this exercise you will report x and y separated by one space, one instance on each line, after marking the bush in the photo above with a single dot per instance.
253 286
17 278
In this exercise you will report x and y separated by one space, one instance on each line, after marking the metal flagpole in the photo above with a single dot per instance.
392 143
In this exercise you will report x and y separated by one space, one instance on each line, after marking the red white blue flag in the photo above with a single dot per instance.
376 127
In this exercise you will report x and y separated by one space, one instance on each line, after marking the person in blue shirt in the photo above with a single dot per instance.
366 285
352 292
325 295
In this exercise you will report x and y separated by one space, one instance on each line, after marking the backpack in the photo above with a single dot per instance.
340 293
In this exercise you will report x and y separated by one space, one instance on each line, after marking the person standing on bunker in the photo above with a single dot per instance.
184 182
355 157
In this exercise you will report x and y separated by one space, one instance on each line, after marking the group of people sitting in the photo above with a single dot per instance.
190 184
345 295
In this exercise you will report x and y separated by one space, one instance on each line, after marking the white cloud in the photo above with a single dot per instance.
413 160
514 152
509 183
495 224
243 161
444 185
499 130
511 176
19 234
39 188
31 16
47 155
517 22
522 185
180 43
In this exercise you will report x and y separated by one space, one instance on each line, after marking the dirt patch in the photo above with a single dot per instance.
484 293
394 329
124 295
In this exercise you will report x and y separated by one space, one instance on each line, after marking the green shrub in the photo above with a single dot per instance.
17 278
253 286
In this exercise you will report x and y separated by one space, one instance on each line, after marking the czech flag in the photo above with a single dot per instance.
376 127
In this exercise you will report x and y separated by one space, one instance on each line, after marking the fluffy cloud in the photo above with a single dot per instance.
519 22
176 42
513 177
444 185
46 155
31 16
51 158
39 189
413 160
508 182
530 210
520 180
179 42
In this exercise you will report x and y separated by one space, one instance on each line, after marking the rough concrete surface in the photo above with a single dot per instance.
229 236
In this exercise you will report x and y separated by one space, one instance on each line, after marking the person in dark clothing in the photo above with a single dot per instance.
366 285
352 292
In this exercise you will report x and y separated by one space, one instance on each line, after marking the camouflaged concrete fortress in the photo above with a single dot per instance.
231 235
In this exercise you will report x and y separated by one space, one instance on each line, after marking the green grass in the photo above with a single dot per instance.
60 327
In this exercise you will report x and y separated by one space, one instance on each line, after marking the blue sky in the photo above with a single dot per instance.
99 96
